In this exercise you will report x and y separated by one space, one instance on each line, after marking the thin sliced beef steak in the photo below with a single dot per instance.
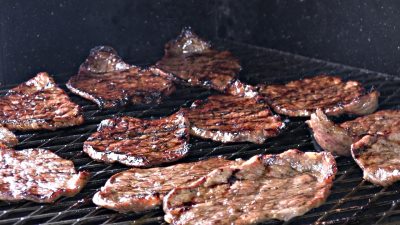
38 104
379 157
109 82
37 175
337 138
143 189
228 118
264 187
193 61
329 93
139 142
7 138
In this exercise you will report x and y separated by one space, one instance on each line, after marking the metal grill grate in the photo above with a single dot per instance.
352 200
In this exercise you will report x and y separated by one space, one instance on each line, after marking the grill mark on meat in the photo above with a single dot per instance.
138 190
37 175
337 138
38 104
328 93
107 80
227 118
264 187
137 142
194 62
379 157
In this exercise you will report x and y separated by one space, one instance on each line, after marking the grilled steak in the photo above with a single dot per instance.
264 187
138 142
379 157
337 138
109 82
329 93
228 118
37 175
143 189
194 62
38 104
7 138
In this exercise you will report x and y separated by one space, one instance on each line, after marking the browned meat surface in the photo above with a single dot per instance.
264 187
192 60
7 138
37 175
337 138
143 189
38 104
228 118
329 93
379 157
109 82
139 142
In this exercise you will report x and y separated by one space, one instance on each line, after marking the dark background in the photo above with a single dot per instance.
56 36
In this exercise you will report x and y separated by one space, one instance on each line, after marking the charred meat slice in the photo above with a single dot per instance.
37 175
38 104
193 61
329 93
139 142
264 187
379 157
228 118
109 82
143 189
337 138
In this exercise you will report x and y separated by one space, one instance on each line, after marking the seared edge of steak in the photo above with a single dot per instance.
151 156
182 200
137 190
329 136
378 156
38 175
57 112
250 119
363 105
7 137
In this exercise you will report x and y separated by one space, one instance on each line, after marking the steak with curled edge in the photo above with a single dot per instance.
337 138
228 118
140 142
194 62
38 104
328 93
139 190
265 187
37 175
107 80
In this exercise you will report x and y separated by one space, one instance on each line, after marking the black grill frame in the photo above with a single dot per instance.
352 201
